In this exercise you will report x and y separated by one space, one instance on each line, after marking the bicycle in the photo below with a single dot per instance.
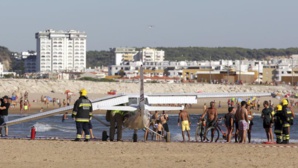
211 133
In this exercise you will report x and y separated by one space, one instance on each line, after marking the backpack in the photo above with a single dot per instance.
267 116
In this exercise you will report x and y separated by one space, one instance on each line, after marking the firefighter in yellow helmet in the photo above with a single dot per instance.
278 123
287 120
82 114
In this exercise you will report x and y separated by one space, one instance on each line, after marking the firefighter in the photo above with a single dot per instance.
288 118
278 124
82 114
116 118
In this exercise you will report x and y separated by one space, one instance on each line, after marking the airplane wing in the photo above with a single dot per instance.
223 95
109 100
163 108
122 108
191 98
149 108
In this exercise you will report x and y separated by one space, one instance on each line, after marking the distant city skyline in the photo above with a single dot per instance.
167 23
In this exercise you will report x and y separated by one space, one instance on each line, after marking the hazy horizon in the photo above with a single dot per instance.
169 23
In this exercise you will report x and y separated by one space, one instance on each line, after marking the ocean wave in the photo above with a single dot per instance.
43 127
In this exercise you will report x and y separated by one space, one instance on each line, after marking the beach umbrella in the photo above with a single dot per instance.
67 91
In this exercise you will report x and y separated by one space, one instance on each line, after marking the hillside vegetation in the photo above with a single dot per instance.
103 58
5 58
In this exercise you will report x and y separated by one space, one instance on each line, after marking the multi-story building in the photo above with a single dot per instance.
123 55
152 55
30 64
61 51
29 61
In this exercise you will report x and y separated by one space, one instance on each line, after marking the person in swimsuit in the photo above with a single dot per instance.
159 130
163 119
242 123
229 122
211 117
250 122
185 123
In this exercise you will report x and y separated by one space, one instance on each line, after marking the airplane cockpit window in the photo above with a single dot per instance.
132 100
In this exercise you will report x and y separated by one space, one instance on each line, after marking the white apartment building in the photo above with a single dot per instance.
152 55
60 51
122 55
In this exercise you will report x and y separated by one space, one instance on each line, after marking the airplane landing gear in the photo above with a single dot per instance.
168 137
104 136
135 136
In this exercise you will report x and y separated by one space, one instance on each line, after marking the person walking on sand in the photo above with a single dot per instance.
229 122
267 120
159 130
4 113
211 117
250 122
185 123
242 122
288 120
82 114
164 121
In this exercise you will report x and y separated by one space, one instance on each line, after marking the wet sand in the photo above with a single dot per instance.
55 153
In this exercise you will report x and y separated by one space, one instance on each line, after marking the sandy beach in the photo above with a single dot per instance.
48 153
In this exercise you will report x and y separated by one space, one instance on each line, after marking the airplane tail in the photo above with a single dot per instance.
144 114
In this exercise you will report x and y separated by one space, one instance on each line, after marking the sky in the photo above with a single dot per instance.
153 23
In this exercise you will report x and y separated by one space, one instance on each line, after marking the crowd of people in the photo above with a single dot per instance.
240 119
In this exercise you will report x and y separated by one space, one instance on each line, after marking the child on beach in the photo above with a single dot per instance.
159 129
229 122
64 117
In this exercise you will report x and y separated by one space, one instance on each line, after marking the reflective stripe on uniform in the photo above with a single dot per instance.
82 119
286 125
87 136
85 105
74 113
278 131
79 136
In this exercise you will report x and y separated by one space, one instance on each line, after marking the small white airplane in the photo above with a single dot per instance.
139 106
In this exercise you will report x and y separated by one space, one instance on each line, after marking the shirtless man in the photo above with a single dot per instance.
152 122
185 123
242 119
211 117
211 114
164 118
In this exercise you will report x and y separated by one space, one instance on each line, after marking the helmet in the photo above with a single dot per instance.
279 107
83 92
284 102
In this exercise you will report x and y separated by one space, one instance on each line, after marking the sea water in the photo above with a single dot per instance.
53 127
